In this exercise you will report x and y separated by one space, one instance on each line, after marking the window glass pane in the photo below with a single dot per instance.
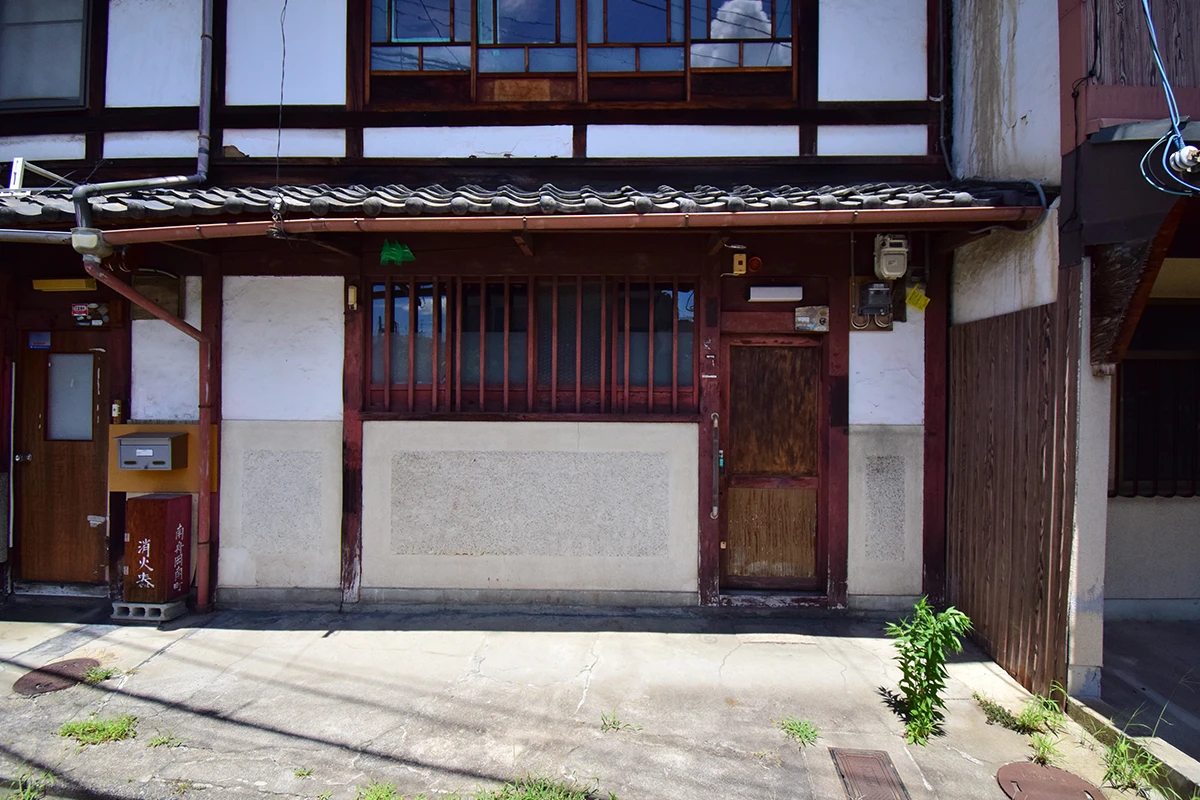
379 15
493 335
590 334
525 21
740 19
400 309
661 59
386 59
611 59
378 331
712 54
664 318
424 345
70 390
502 60
447 58
783 19
462 21
566 334
42 10
686 303
420 20
764 54
595 20
639 335
637 20
487 28
566 21
518 335
552 59
699 12
677 14
26 75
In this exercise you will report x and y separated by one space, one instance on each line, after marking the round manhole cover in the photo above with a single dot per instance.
54 677
1026 781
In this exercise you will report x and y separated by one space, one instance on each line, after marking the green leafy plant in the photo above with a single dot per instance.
922 643
1045 749
610 722
1128 767
377 790
303 772
1038 715
96 675
801 731
30 785
99 731
167 740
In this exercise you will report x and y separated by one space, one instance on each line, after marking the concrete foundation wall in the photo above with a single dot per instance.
1005 272
1153 550
165 366
544 507
281 505
886 493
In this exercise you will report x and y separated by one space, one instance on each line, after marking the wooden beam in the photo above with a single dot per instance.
716 243
525 242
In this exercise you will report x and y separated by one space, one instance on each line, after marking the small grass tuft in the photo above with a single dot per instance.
1039 715
377 790
326 795
768 758
303 772
30 786
96 675
99 731
801 731
610 722
181 787
167 740
1045 749
1128 767
538 788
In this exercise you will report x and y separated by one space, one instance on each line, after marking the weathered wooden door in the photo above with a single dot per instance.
772 516
60 447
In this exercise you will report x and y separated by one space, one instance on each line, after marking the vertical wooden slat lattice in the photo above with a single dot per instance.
1011 482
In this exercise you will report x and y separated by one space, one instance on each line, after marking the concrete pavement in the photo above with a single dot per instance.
437 701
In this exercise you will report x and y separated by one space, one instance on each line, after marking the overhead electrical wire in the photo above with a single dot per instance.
1173 141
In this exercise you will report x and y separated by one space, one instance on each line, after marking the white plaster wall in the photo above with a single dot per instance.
886 484
1005 272
293 143
692 141
873 50
887 374
282 348
52 147
499 141
552 506
153 53
1085 600
316 52
151 144
281 505
1153 548
165 364
1006 90
872 140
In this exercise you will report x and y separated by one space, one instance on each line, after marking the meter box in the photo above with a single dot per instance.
148 450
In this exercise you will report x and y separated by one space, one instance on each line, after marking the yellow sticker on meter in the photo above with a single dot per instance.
917 298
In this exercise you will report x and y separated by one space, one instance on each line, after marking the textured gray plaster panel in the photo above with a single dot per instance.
885 508
281 500
608 504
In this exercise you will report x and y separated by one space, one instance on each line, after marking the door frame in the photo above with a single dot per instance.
728 342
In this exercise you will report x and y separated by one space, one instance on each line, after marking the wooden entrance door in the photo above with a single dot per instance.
60 447
773 515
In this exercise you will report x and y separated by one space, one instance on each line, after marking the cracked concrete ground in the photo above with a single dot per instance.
440 701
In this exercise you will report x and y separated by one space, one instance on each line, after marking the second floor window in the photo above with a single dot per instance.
43 53
559 36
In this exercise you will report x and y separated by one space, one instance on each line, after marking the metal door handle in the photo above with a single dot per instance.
716 457
19 457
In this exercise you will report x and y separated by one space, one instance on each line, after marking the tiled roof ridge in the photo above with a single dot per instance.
321 200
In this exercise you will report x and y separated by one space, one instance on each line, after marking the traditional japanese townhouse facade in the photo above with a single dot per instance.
594 301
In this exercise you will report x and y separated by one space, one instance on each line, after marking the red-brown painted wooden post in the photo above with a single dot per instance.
354 367
937 321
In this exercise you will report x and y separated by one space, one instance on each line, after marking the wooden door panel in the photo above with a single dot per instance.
772 533
773 410
60 488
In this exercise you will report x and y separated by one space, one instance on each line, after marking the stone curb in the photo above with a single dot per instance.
1181 771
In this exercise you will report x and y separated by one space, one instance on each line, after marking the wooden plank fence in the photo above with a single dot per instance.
1011 471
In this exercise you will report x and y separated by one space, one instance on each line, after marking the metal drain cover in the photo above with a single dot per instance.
868 774
54 677
1025 781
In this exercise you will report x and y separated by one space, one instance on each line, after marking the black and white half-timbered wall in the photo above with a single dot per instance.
637 302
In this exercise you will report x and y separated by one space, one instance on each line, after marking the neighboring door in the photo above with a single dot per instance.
60 446
772 516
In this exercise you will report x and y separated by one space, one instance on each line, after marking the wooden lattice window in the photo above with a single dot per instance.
578 344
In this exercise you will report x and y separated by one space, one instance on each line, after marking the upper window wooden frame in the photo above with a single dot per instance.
457 52
30 31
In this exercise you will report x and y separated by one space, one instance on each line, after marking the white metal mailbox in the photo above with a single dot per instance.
147 450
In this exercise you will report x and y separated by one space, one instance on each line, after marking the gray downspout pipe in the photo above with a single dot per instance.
35 237
81 194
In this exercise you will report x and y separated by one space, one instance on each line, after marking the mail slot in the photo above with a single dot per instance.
152 451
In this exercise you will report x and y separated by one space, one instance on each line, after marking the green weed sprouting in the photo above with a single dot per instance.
922 644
